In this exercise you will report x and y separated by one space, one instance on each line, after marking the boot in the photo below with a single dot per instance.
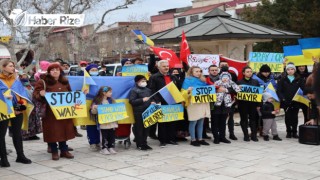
266 138
277 138
22 159
295 135
246 138
67 155
55 156
4 162
288 135
233 137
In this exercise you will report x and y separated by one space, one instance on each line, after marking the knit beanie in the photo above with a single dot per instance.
265 68
44 66
91 66
291 65
123 61
266 96
225 74
138 78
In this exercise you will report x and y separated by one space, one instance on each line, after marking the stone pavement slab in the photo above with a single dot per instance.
239 160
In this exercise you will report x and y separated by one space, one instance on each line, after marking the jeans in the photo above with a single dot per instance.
62 146
93 134
192 127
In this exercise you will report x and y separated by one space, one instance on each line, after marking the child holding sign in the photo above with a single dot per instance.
108 129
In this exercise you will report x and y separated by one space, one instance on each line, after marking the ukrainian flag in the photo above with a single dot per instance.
310 47
87 81
171 94
143 37
6 110
294 54
299 97
121 87
270 89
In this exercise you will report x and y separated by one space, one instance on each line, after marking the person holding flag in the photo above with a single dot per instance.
287 88
9 81
166 131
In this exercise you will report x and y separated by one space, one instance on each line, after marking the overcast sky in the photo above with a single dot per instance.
143 8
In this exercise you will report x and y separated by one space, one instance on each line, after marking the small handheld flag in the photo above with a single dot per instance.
299 97
87 81
270 89
171 94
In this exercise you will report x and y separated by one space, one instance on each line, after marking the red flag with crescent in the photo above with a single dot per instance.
184 49
235 66
168 54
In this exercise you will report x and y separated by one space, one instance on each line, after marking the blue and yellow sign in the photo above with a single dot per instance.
273 60
152 115
108 113
172 113
138 69
250 93
203 94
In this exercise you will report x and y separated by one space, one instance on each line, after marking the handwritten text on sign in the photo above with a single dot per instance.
172 113
134 70
266 57
250 93
203 61
108 113
66 105
152 115
275 67
203 94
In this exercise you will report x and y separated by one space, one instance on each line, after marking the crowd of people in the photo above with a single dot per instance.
258 116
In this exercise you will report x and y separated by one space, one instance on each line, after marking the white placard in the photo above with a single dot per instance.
203 61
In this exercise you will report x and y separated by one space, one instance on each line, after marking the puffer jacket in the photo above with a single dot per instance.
136 99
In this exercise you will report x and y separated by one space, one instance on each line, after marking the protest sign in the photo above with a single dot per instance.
152 115
172 113
6 110
108 113
294 54
273 60
250 93
203 94
83 121
203 61
138 69
66 105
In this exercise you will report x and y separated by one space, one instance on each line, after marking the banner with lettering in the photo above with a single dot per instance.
66 105
203 94
250 93
152 115
108 113
138 69
172 113
273 60
203 61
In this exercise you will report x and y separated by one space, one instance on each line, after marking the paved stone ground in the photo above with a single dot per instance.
239 160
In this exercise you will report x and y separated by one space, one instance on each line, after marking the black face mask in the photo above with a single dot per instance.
177 75
224 69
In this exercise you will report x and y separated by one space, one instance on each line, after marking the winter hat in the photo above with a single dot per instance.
123 61
266 96
138 78
44 66
83 62
225 74
265 68
291 65
89 67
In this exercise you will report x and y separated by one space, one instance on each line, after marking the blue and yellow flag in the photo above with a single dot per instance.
171 94
87 81
121 87
299 97
143 37
270 89
294 54
310 47
6 110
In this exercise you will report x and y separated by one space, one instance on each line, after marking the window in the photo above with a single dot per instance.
181 21
194 18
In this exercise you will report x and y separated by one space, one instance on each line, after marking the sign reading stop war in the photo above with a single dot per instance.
108 113
203 94
66 105
250 93
172 113
152 115
203 61
273 60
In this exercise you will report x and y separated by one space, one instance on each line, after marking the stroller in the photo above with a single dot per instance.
123 135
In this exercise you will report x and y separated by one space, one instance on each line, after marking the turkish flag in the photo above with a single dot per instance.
235 66
184 49
168 54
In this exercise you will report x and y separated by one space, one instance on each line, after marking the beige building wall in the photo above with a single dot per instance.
163 25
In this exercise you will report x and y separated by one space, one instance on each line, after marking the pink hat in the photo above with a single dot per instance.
44 66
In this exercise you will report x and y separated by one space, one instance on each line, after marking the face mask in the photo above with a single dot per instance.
143 84
24 80
66 71
83 68
94 73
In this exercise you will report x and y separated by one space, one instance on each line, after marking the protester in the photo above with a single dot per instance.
93 133
103 71
303 73
247 109
222 107
287 88
268 116
104 96
264 76
313 118
43 69
55 131
137 61
166 131
7 81
66 68
140 100
83 65
196 111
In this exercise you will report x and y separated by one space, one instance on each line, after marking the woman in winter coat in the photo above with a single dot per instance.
55 131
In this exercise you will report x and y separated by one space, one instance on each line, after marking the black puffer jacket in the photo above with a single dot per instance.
286 91
136 99
266 111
